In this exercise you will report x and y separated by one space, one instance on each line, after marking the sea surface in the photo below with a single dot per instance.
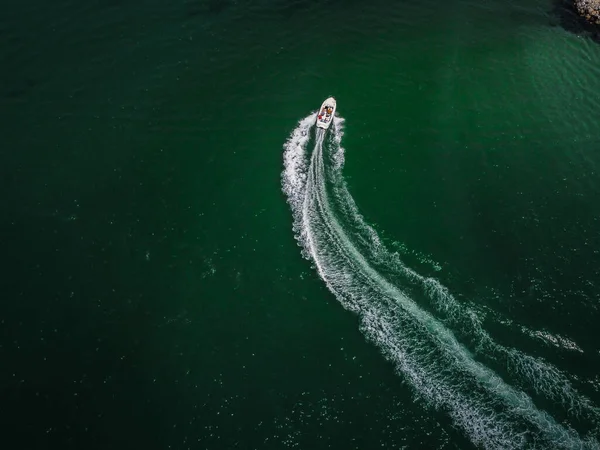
188 263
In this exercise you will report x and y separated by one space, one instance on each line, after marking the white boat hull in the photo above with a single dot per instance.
326 113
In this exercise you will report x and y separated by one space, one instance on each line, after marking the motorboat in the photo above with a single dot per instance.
325 115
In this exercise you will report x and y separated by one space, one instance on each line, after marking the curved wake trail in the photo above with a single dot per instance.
351 260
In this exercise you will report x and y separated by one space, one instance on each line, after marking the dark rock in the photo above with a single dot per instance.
569 18
589 10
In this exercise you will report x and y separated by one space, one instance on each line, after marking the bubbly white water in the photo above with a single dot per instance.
352 261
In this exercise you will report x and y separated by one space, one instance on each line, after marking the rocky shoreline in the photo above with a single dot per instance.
589 10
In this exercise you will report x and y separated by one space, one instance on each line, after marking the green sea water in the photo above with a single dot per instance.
190 264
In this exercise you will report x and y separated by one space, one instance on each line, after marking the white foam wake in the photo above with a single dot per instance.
352 261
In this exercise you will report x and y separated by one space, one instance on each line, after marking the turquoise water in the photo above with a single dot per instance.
190 264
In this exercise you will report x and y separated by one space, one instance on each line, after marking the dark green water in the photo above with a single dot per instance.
154 296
